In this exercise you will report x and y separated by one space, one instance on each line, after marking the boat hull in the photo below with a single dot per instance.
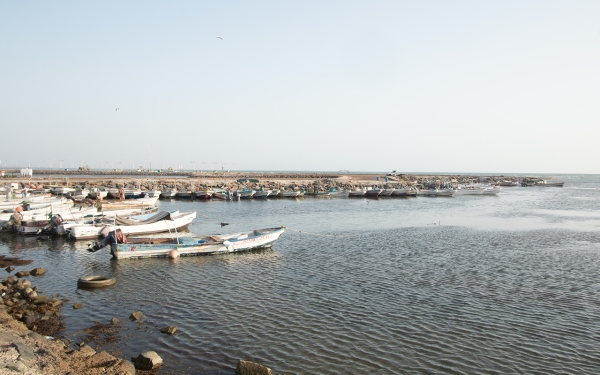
229 245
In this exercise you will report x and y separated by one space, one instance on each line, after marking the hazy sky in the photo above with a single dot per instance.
446 86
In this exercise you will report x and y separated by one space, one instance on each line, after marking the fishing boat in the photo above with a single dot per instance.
203 194
546 183
162 221
289 194
335 193
469 190
373 193
387 192
184 195
246 194
128 204
186 246
492 190
168 194
357 193
274 193
154 193
98 192
426 192
262 194
62 190
446 192
400 192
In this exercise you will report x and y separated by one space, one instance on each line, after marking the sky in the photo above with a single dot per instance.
412 86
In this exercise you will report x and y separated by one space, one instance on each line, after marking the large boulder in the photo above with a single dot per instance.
38 271
136 315
147 361
251 368
170 330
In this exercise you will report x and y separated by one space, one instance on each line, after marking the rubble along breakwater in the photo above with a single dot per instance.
190 181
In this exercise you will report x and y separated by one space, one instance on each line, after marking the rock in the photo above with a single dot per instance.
115 321
10 280
29 320
124 367
22 274
9 269
85 350
25 291
77 305
147 361
38 271
55 302
169 330
32 295
251 368
66 299
24 283
40 300
25 353
101 359
36 336
136 315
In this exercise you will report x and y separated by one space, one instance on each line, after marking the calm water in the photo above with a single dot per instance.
486 285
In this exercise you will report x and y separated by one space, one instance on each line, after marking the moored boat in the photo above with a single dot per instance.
185 246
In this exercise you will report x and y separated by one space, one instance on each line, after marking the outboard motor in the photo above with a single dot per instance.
56 223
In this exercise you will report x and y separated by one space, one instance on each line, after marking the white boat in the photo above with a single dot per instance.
43 214
98 192
492 190
357 193
387 192
205 194
447 192
168 193
274 193
150 223
261 194
400 192
373 192
289 194
426 192
469 190
184 194
34 202
546 183
130 203
246 194
154 193
184 246
339 193
62 190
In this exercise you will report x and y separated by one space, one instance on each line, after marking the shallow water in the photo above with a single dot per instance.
472 284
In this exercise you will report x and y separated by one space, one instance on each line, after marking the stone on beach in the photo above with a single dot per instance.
147 361
77 305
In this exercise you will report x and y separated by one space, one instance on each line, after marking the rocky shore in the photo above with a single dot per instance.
31 340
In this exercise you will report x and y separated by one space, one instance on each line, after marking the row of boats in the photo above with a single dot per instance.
59 216
371 192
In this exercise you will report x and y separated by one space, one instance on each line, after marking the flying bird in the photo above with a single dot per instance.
223 224
219 38
117 109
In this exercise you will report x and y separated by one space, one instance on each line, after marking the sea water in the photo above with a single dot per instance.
472 284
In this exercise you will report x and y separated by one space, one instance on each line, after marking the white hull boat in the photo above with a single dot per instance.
171 222
186 246
387 192
289 194
400 192
168 193
262 194
449 192
427 193
469 190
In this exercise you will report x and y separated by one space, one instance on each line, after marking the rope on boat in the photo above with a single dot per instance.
320 234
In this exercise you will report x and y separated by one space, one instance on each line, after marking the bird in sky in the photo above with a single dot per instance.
219 38
117 109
